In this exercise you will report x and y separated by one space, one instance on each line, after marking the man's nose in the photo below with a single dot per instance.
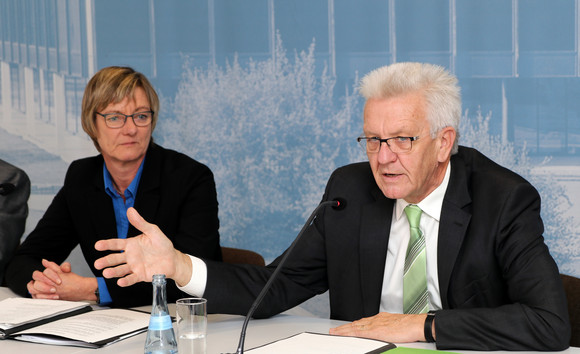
385 154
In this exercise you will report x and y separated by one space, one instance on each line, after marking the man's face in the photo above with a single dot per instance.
411 175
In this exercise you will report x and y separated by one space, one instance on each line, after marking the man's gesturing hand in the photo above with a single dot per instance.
143 256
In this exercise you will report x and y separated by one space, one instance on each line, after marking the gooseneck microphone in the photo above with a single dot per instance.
338 204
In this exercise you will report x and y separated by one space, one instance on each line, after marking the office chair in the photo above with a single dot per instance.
241 256
572 289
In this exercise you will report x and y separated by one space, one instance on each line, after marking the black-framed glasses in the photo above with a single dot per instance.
117 120
397 144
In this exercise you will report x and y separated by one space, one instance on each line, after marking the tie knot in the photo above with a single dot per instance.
413 213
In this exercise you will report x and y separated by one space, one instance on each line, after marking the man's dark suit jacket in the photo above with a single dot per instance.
176 193
500 288
14 193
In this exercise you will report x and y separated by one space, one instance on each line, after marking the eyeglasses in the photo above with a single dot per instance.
117 120
397 144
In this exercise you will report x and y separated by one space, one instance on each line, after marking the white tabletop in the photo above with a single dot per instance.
222 335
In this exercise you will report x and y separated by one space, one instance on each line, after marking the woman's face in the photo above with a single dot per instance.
129 143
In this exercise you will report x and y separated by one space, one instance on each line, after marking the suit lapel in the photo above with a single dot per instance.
374 240
100 206
455 217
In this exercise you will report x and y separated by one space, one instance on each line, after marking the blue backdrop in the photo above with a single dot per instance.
263 92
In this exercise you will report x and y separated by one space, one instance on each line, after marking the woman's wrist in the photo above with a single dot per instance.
93 289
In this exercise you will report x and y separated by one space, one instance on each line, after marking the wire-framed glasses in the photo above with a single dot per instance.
117 120
397 144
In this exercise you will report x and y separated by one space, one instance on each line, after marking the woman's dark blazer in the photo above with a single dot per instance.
176 193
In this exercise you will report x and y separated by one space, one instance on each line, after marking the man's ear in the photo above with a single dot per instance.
446 139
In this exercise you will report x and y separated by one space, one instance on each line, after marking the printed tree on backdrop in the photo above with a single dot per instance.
562 239
272 133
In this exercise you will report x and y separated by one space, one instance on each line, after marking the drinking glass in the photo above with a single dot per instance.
191 325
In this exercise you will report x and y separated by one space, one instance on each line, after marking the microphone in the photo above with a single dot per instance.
337 204
6 188
341 204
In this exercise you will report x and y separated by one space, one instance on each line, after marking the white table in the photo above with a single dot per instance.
222 335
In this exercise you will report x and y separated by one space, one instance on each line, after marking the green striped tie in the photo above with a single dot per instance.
415 295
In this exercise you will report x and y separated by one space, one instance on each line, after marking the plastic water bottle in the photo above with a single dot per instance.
160 335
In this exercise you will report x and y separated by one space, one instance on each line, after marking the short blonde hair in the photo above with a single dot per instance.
111 85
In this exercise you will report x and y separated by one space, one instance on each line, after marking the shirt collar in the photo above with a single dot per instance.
433 203
131 190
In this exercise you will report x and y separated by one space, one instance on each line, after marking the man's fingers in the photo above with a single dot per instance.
128 280
137 220
113 244
116 272
343 330
111 260
356 329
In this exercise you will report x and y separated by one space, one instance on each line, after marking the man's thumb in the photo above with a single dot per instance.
137 220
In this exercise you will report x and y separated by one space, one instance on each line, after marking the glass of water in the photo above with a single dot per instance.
191 325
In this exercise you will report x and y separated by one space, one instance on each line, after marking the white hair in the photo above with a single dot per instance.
438 86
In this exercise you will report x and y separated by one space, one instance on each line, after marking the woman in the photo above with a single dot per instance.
119 113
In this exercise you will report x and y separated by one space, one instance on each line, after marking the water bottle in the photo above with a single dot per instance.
160 335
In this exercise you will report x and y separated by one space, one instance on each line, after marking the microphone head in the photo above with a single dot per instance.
341 204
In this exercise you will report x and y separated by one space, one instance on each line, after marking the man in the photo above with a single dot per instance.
14 193
477 256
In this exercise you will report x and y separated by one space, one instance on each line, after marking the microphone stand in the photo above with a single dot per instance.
333 203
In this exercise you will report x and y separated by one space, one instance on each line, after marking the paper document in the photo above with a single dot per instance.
92 327
67 323
18 311
316 343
